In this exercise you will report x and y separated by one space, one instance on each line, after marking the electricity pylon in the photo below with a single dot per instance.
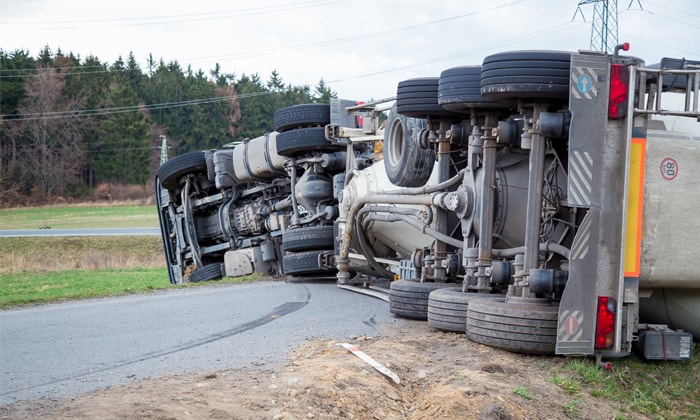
604 24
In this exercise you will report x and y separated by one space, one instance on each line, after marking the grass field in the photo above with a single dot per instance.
36 270
50 269
79 216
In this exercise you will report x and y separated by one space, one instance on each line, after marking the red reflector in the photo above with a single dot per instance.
619 87
360 119
605 328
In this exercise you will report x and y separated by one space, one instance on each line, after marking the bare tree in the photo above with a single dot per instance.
48 138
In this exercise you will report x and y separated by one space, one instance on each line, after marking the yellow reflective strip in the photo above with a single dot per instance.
635 202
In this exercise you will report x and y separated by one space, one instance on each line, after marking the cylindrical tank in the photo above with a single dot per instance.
669 276
398 236
677 308
257 158
671 223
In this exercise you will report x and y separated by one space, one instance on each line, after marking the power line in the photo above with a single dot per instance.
124 109
258 52
668 47
168 19
543 32
666 6
136 108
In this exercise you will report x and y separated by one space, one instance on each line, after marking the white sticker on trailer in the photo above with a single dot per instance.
583 83
570 326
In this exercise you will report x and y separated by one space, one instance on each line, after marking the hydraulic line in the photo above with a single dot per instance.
367 250
417 225
543 247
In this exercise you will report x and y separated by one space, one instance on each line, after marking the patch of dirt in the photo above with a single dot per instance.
442 376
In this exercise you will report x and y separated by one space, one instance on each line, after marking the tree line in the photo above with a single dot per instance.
69 124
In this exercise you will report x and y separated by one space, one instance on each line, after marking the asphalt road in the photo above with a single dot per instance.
61 350
79 232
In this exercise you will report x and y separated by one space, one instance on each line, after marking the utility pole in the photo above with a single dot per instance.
163 149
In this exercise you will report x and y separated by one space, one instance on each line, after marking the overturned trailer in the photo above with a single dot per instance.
541 202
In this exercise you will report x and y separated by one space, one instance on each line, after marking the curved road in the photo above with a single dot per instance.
62 350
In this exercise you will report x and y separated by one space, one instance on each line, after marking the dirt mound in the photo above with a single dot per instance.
442 376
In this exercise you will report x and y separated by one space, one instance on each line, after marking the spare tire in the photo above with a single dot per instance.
300 116
526 74
406 162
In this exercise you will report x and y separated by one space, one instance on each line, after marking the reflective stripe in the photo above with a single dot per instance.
635 201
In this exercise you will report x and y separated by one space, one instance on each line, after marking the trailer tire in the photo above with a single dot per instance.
206 273
171 171
447 308
522 328
526 74
406 162
308 238
418 98
297 142
409 298
300 116
459 90
304 263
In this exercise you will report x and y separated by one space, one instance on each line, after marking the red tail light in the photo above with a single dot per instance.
619 87
605 329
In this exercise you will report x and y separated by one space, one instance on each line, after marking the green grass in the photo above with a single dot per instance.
31 288
523 392
70 217
653 389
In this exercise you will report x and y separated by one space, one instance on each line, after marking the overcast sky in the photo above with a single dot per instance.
361 48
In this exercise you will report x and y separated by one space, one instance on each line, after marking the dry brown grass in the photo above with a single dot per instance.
107 194
70 253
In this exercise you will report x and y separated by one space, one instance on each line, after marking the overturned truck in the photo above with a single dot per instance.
542 202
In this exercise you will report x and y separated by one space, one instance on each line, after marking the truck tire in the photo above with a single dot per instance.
300 116
409 298
406 162
417 98
304 263
206 273
459 90
526 74
308 238
296 142
520 328
447 308
171 171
